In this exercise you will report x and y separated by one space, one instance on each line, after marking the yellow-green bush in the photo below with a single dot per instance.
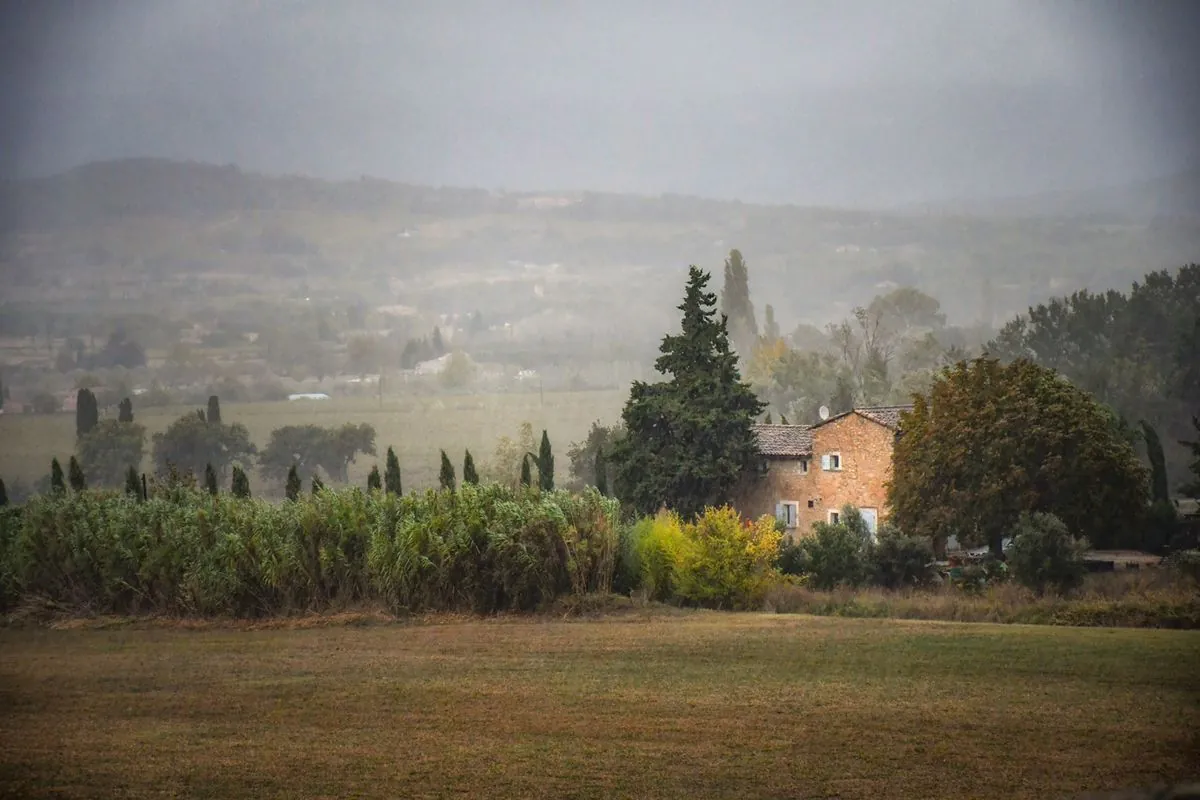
718 561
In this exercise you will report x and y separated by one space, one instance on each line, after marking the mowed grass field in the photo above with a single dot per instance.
417 426
680 704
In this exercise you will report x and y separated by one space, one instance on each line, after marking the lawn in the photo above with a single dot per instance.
665 705
418 427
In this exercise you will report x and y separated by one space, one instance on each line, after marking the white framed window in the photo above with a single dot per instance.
834 517
788 512
831 462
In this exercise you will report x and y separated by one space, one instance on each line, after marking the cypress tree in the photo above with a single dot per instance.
545 464
736 305
58 484
1159 492
213 417
133 486
3 494
317 483
125 413
292 490
768 419
374 482
446 475
210 479
145 488
87 412
241 484
75 475
526 477
783 420
469 473
391 473
601 472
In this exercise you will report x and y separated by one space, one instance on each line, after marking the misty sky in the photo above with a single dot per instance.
864 102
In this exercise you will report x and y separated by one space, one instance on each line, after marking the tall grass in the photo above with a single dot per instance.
481 548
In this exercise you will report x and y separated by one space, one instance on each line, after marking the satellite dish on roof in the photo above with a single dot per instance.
822 412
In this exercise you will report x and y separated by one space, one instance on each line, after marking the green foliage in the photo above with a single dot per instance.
446 473
75 475
318 485
485 549
133 484
1137 352
1044 555
837 554
688 439
3 494
391 475
293 485
995 440
1159 492
213 413
87 412
583 456
191 441
736 305
1192 489
58 484
897 561
210 480
311 447
374 481
526 474
545 464
109 448
601 471
469 473
458 372
240 485
125 411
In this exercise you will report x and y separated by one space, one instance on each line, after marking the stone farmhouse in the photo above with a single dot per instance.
809 472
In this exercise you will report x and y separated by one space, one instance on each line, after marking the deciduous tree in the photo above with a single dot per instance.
191 441
993 441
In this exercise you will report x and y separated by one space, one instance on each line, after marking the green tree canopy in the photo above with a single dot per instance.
309 447
582 455
75 475
470 475
736 305
446 474
109 449
993 441
391 477
690 438
545 464
374 480
191 441
87 412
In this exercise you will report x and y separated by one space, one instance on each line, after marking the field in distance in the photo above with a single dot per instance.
417 426
703 704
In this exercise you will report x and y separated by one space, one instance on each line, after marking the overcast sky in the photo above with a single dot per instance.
864 102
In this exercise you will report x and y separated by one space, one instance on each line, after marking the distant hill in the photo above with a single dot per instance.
1170 196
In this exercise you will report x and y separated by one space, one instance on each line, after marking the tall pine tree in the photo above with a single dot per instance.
293 487
690 438
75 475
58 483
736 305
469 473
210 480
133 484
446 474
526 473
545 464
213 415
391 475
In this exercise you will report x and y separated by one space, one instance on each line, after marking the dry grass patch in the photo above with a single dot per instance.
691 704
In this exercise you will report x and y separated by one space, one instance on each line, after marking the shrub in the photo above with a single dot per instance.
836 554
1044 554
897 560
1186 563
658 544
726 563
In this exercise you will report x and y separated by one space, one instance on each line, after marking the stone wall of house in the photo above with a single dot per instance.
865 448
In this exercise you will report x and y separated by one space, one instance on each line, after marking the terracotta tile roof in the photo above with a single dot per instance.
784 441
888 416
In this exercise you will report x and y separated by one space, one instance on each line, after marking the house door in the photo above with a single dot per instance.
871 517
